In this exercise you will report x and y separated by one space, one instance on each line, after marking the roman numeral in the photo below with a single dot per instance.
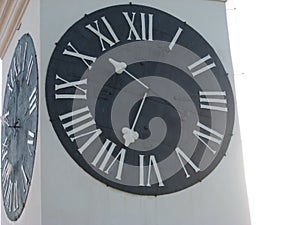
133 31
4 118
80 127
152 161
86 59
29 69
181 155
209 134
30 140
11 196
102 38
4 150
32 101
24 56
11 84
72 84
202 69
15 203
120 156
175 38
213 100
17 60
4 144
25 178
10 87
4 153
7 170
8 196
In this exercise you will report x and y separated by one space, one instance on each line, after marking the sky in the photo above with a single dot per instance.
265 51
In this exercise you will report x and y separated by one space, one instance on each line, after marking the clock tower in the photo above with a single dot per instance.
119 112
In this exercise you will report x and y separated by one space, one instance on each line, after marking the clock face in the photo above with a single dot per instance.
19 127
139 100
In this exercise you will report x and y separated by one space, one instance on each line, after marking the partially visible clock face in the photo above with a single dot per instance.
139 100
19 127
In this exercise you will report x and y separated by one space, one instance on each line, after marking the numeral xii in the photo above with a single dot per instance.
145 30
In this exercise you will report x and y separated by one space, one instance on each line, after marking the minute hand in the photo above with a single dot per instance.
120 67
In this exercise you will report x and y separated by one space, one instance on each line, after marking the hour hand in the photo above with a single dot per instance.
130 135
120 67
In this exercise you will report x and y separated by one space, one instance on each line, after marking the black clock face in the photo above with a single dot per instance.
19 127
139 100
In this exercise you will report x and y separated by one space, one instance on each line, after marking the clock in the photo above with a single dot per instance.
139 100
19 127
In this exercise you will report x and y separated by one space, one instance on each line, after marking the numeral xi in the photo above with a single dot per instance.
102 38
